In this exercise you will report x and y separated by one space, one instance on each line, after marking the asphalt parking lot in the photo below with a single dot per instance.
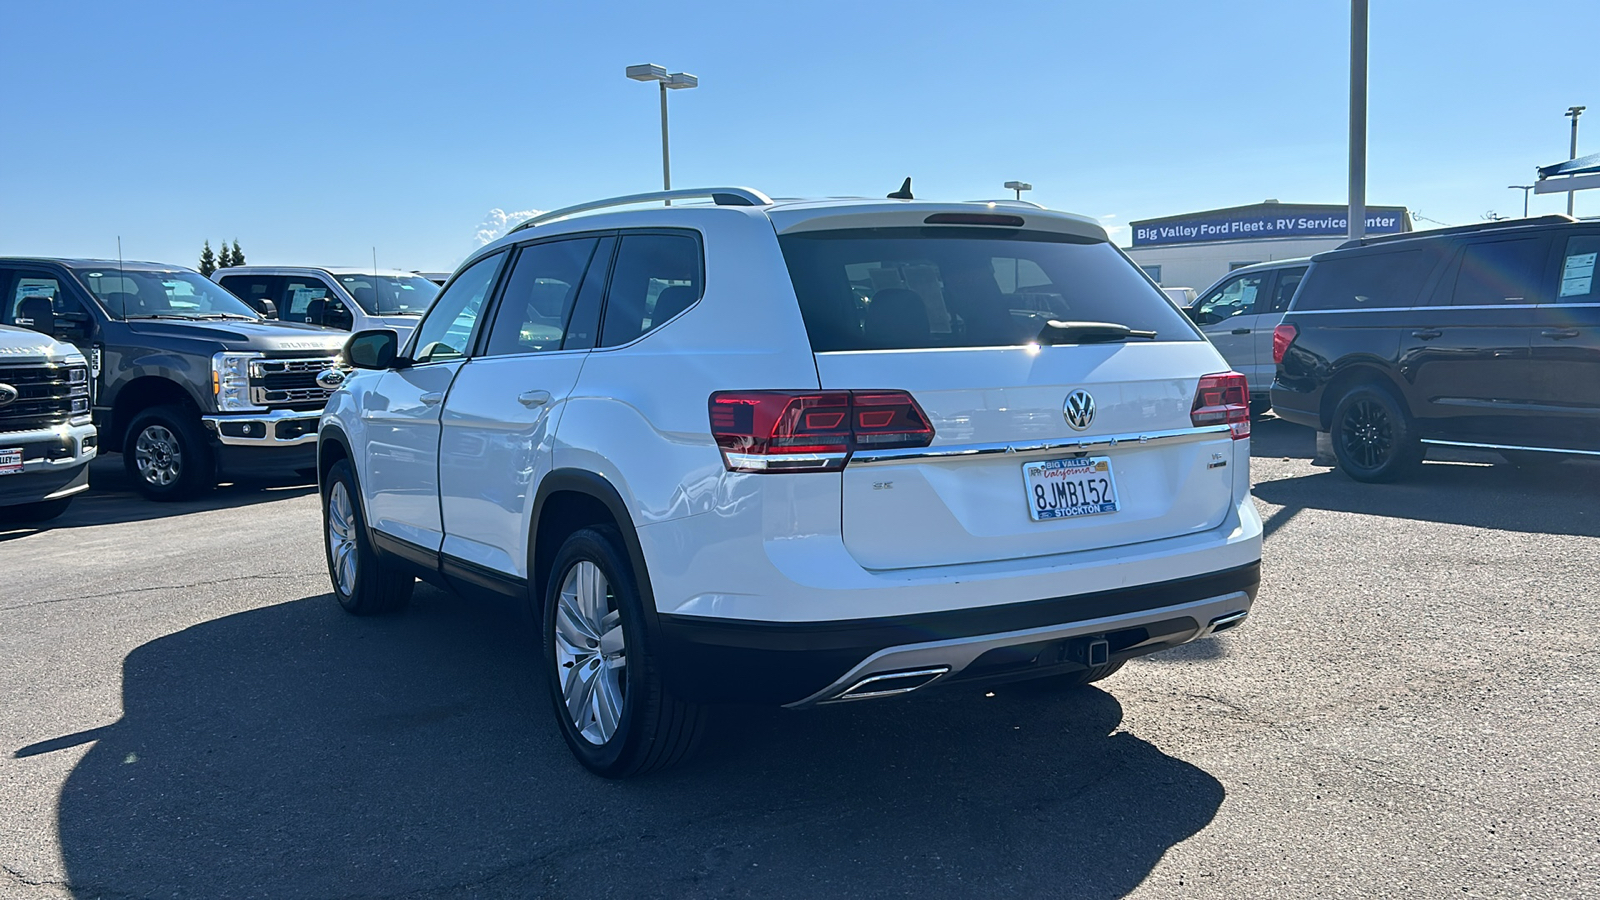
1412 710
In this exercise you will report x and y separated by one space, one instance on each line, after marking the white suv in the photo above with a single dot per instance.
798 453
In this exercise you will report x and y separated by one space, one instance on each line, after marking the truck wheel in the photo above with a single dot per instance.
1374 438
605 684
167 455
1071 680
363 582
39 511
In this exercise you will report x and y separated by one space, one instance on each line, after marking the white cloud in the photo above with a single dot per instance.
1112 231
497 222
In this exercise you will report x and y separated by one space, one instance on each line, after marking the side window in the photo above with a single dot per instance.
583 328
1577 270
538 298
1390 280
446 331
305 299
1501 272
656 276
1236 297
1283 292
33 300
261 292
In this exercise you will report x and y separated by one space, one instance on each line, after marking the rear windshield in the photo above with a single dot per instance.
1368 281
921 288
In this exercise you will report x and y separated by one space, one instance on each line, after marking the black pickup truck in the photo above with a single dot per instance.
189 383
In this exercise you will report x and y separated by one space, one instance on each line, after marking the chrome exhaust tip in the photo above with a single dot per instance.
889 684
1226 621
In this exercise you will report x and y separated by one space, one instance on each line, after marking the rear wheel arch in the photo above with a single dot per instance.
1349 377
567 501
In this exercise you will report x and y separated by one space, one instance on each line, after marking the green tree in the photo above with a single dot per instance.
238 255
224 256
208 261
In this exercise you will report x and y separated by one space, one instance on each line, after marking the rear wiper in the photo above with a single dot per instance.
161 316
1056 331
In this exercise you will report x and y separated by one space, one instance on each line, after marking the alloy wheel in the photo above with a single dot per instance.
158 456
590 653
1368 433
342 538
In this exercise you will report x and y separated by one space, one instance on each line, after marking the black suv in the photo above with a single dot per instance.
188 382
1485 336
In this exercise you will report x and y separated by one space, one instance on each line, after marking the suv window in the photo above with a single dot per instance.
1283 292
33 297
537 301
655 277
1368 281
1500 272
918 288
446 331
1236 297
299 293
1577 270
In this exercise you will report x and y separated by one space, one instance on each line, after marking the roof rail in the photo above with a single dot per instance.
1551 219
721 196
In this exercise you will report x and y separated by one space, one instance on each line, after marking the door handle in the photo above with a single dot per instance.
1427 334
431 398
531 399
1241 331
1559 334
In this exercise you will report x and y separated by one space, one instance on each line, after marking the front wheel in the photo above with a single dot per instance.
617 717
1374 438
363 582
167 454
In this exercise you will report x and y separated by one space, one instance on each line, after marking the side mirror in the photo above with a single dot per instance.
372 349
266 308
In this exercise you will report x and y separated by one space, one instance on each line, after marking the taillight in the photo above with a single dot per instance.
1223 399
812 431
1282 337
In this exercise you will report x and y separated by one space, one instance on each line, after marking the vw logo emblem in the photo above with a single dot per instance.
330 379
8 395
1079 410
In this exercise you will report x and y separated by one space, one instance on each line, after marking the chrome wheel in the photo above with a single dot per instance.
590 653
342 538
158 456
1368 434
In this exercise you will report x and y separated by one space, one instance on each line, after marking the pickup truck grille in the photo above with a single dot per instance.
46 395
289 383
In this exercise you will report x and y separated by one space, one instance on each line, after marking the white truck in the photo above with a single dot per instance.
46 437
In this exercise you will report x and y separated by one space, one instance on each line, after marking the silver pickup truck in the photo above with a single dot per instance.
46 439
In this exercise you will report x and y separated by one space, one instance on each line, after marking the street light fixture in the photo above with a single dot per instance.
1574 112
675 81
1524 188
1019 187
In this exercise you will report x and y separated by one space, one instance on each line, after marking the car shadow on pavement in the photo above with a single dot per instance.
294 751
112 499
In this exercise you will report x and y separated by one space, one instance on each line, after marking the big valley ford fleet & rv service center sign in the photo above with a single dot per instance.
1264 220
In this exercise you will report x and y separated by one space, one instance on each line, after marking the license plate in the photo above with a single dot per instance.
10 461
1066 488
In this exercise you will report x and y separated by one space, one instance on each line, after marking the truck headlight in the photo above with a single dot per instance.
230 381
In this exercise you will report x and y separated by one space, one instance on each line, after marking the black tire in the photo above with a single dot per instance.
1071 680
374 584
1374 437
652 729
38 511
177 461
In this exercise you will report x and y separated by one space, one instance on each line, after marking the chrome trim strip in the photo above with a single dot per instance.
1475 446
785 462
930 675
267 421
950 451
958 653
1320 312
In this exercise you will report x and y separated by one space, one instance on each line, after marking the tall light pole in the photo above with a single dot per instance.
1574 112
1019 187
1358 119
674 81
1524 188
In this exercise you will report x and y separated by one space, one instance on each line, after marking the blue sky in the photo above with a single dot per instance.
313 132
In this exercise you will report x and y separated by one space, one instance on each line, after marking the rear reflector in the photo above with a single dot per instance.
1282 337
1223 399
973 219
812 431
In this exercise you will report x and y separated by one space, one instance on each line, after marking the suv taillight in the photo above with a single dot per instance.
1282 337
1223 399
812 431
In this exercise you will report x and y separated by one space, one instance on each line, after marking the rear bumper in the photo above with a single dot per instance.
801 664
1296 406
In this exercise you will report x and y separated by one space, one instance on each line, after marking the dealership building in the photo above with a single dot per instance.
1195 249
